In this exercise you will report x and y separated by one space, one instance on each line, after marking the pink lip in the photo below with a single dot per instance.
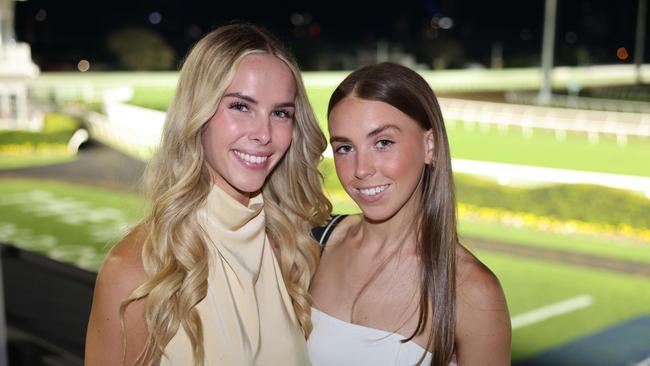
253 152
371 199
250 165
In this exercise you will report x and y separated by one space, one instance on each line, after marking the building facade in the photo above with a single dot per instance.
16 68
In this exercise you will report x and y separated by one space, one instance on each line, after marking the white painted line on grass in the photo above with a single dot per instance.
512 173
552 310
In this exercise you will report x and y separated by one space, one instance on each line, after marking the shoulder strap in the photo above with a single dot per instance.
322 233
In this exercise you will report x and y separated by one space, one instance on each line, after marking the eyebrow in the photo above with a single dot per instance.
381 129
242 96
253 101
372 133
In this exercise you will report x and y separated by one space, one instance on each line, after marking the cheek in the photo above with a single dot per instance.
282 136
344 168
405 163
208 140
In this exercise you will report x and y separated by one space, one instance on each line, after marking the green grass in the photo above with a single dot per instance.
33 160
544 150
576 243
319 98
57 122
78 224
157 98
530 284
25 148
71 223
57 129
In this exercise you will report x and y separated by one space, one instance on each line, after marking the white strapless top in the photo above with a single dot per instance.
334 342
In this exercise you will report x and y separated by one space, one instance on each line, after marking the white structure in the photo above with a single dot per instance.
16 68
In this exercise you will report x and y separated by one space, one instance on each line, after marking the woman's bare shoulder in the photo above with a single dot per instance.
124 261
121 273
343 229
483 329
474 280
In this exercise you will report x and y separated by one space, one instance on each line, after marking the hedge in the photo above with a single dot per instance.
589 203
57 129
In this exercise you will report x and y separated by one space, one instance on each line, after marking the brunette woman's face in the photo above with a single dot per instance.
251 129
379 153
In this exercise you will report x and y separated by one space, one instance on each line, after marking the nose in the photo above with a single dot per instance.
365 166
261 131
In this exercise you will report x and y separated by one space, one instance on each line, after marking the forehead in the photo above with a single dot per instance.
262 75
353 115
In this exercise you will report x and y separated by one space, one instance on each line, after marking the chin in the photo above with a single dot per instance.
376 214
249 182
249 187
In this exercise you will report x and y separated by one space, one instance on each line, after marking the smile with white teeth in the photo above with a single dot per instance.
250 158
374 190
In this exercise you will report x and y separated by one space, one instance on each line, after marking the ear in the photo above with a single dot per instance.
429 145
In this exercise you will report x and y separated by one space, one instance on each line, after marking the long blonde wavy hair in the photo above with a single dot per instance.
174 253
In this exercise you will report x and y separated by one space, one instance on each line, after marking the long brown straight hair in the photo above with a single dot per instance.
407 91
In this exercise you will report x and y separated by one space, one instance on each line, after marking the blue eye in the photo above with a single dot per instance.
238 106
282 113
384 144
343 149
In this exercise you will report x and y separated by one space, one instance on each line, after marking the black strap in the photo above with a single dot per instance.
322 233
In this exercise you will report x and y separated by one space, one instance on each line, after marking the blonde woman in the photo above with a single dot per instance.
234 191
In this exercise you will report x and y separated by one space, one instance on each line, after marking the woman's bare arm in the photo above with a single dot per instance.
483 331
120 274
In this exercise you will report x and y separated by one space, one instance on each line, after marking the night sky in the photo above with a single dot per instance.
588 31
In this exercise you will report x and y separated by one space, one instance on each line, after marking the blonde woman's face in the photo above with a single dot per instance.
251 129
379 153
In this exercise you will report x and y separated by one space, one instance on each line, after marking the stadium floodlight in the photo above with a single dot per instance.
640 39
548 43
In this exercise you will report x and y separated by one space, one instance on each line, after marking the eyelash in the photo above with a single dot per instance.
244 107
339 152
285 113
238 106
385 142
381 145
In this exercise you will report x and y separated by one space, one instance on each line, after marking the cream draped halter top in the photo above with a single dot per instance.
247 314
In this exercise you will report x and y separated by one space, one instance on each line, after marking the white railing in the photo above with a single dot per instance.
128 128
561 120
572 101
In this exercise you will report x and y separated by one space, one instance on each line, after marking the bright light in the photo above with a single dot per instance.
155 17
41 15
83 65
297 19
622 54
446 23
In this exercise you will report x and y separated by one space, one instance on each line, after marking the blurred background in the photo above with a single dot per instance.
546 104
